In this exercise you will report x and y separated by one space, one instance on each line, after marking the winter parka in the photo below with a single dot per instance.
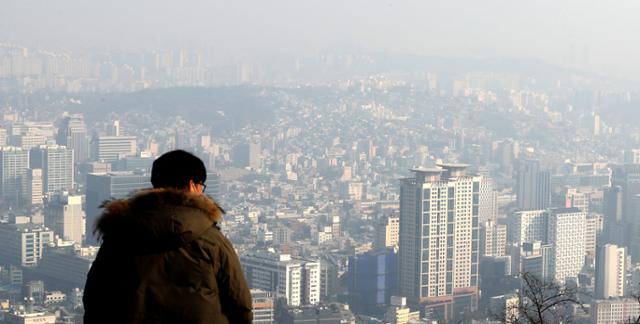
164 260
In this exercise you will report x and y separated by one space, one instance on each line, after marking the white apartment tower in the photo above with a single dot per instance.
297 280
566 235
439 238
610 271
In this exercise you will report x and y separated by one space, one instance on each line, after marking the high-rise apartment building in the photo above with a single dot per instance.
14 165
73 134
532 186
64 215
439 239
566 235
610 271
106 186
56 163
294 279
530 226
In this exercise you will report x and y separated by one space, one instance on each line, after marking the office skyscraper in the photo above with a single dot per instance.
14 165
566 234
613 220
56 163
532 186
107 186
610 271
22 243
64 215
439 239
73 134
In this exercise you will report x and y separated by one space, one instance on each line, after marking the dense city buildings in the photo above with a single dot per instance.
408 194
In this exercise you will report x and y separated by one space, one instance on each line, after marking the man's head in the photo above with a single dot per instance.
179 169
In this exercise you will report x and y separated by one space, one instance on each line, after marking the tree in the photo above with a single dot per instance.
541 301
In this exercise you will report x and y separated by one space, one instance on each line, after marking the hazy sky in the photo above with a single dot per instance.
598 35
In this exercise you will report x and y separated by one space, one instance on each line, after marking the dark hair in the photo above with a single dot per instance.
174 170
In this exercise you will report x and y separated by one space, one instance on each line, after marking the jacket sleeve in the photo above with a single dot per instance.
235 297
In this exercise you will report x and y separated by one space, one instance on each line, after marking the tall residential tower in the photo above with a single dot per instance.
439 239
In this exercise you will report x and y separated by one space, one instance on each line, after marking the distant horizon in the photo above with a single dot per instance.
588 35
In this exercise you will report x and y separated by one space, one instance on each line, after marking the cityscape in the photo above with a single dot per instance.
359 186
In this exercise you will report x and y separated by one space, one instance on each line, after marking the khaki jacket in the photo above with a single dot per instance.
164 260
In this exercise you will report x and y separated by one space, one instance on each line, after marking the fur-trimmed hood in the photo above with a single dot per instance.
157 219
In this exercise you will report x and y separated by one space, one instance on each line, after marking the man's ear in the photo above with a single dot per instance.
191 187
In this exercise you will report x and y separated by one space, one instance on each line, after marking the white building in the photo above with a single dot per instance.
64 215
22 243
610 271
439 238
530 226
296 280
566 235
619 310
